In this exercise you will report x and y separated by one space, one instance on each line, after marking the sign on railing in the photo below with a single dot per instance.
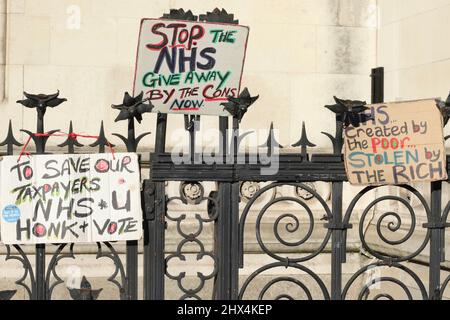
402 144
189 67
70 198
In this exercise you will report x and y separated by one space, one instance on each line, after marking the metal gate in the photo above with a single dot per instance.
227 220
297 171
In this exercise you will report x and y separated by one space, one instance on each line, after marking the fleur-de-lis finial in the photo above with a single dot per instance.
218 15
350 111
71 142
10 141
41 101
180 14
133 107
271 142
304 143
101 141
237 107
347 112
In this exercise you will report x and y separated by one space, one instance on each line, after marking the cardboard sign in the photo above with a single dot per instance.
70 198
404 143
189 67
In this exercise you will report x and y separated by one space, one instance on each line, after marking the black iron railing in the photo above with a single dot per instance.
221 210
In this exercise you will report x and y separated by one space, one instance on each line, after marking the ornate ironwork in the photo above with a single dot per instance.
291 226
364 293
444 286
85 292
290 279
28 271
248 189
303 194
119 269
192 192
51 268
191 238
393 222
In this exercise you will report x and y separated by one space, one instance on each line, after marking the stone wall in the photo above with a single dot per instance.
300 53
413 48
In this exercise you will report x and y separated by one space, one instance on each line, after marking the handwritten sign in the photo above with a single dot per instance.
404 143
189 67
70 198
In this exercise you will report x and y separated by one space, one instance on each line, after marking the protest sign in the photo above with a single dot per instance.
403 143
189 67
70 198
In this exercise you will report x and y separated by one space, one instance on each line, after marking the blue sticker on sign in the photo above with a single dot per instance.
11 213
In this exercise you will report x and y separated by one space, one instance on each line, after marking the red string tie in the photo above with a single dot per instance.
72 136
